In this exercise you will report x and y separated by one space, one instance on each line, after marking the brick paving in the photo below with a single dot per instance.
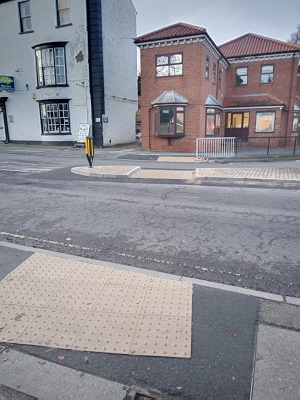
280 174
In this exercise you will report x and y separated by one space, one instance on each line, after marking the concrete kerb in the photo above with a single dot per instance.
106 172
200 282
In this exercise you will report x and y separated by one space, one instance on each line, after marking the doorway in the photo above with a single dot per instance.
4 137
237 124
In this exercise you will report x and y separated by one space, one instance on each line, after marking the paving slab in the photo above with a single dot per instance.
163 174
176 159
277 368
61 303
48 381
261 174
280 314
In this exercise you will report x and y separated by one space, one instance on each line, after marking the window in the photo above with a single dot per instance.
237 120
265 121
55 118
207 67
241 76
170 121
296 122
50 64
170 65
63 12
214 74
25 17
267 74
213 119
220 78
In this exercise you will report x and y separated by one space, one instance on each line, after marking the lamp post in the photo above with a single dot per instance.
89 148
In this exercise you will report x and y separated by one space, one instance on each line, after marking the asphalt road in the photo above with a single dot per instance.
241 235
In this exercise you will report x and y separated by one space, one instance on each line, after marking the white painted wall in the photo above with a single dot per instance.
120 71
17 59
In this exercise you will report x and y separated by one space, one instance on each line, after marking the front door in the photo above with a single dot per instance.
2 126
237 124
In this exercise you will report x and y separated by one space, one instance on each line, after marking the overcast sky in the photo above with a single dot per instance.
223 19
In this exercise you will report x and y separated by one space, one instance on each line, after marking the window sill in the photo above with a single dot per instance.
169 76
56 134
246 84
165 135
62 26
52 86
24 33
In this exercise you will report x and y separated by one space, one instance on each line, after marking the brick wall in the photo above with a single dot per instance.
192 84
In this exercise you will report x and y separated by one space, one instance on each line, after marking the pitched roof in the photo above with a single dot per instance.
213 102
170 97
179 29
251 44
252 100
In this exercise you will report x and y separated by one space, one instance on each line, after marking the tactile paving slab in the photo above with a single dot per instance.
57 302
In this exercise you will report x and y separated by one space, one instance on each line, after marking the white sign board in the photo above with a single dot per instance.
83 131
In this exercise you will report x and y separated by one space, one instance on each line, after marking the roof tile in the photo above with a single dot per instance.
252 44
172 31
253 100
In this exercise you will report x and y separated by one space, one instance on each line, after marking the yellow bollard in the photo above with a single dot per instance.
89 148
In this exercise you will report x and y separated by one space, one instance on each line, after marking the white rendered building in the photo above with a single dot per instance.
67 62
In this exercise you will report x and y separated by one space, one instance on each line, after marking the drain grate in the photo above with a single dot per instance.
143 397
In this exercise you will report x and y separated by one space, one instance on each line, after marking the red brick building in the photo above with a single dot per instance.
192 88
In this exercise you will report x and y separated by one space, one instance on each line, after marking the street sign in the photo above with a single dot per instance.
7 83
83 131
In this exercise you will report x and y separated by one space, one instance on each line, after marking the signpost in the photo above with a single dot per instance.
83 132
7 83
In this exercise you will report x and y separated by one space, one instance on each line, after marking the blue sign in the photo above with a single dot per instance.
104 119
7 83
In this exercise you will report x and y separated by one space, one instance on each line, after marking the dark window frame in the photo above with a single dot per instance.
207 67
264 112
231 114
217 128
57 102
22 30
296 118
58 19
53 46
241 75
220 78
173 134
214 73
263 74
168 64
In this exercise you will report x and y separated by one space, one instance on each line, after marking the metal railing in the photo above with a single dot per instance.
245 147
215 147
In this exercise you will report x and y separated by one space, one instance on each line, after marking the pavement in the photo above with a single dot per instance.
133 172
245 344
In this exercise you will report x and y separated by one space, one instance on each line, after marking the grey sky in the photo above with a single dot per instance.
223 19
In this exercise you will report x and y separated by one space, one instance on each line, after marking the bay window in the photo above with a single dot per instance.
170 121
213 122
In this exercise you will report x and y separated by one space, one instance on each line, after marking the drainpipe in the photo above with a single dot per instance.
290 99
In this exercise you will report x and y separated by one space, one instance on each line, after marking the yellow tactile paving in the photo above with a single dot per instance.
163 174
289 174
57 302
